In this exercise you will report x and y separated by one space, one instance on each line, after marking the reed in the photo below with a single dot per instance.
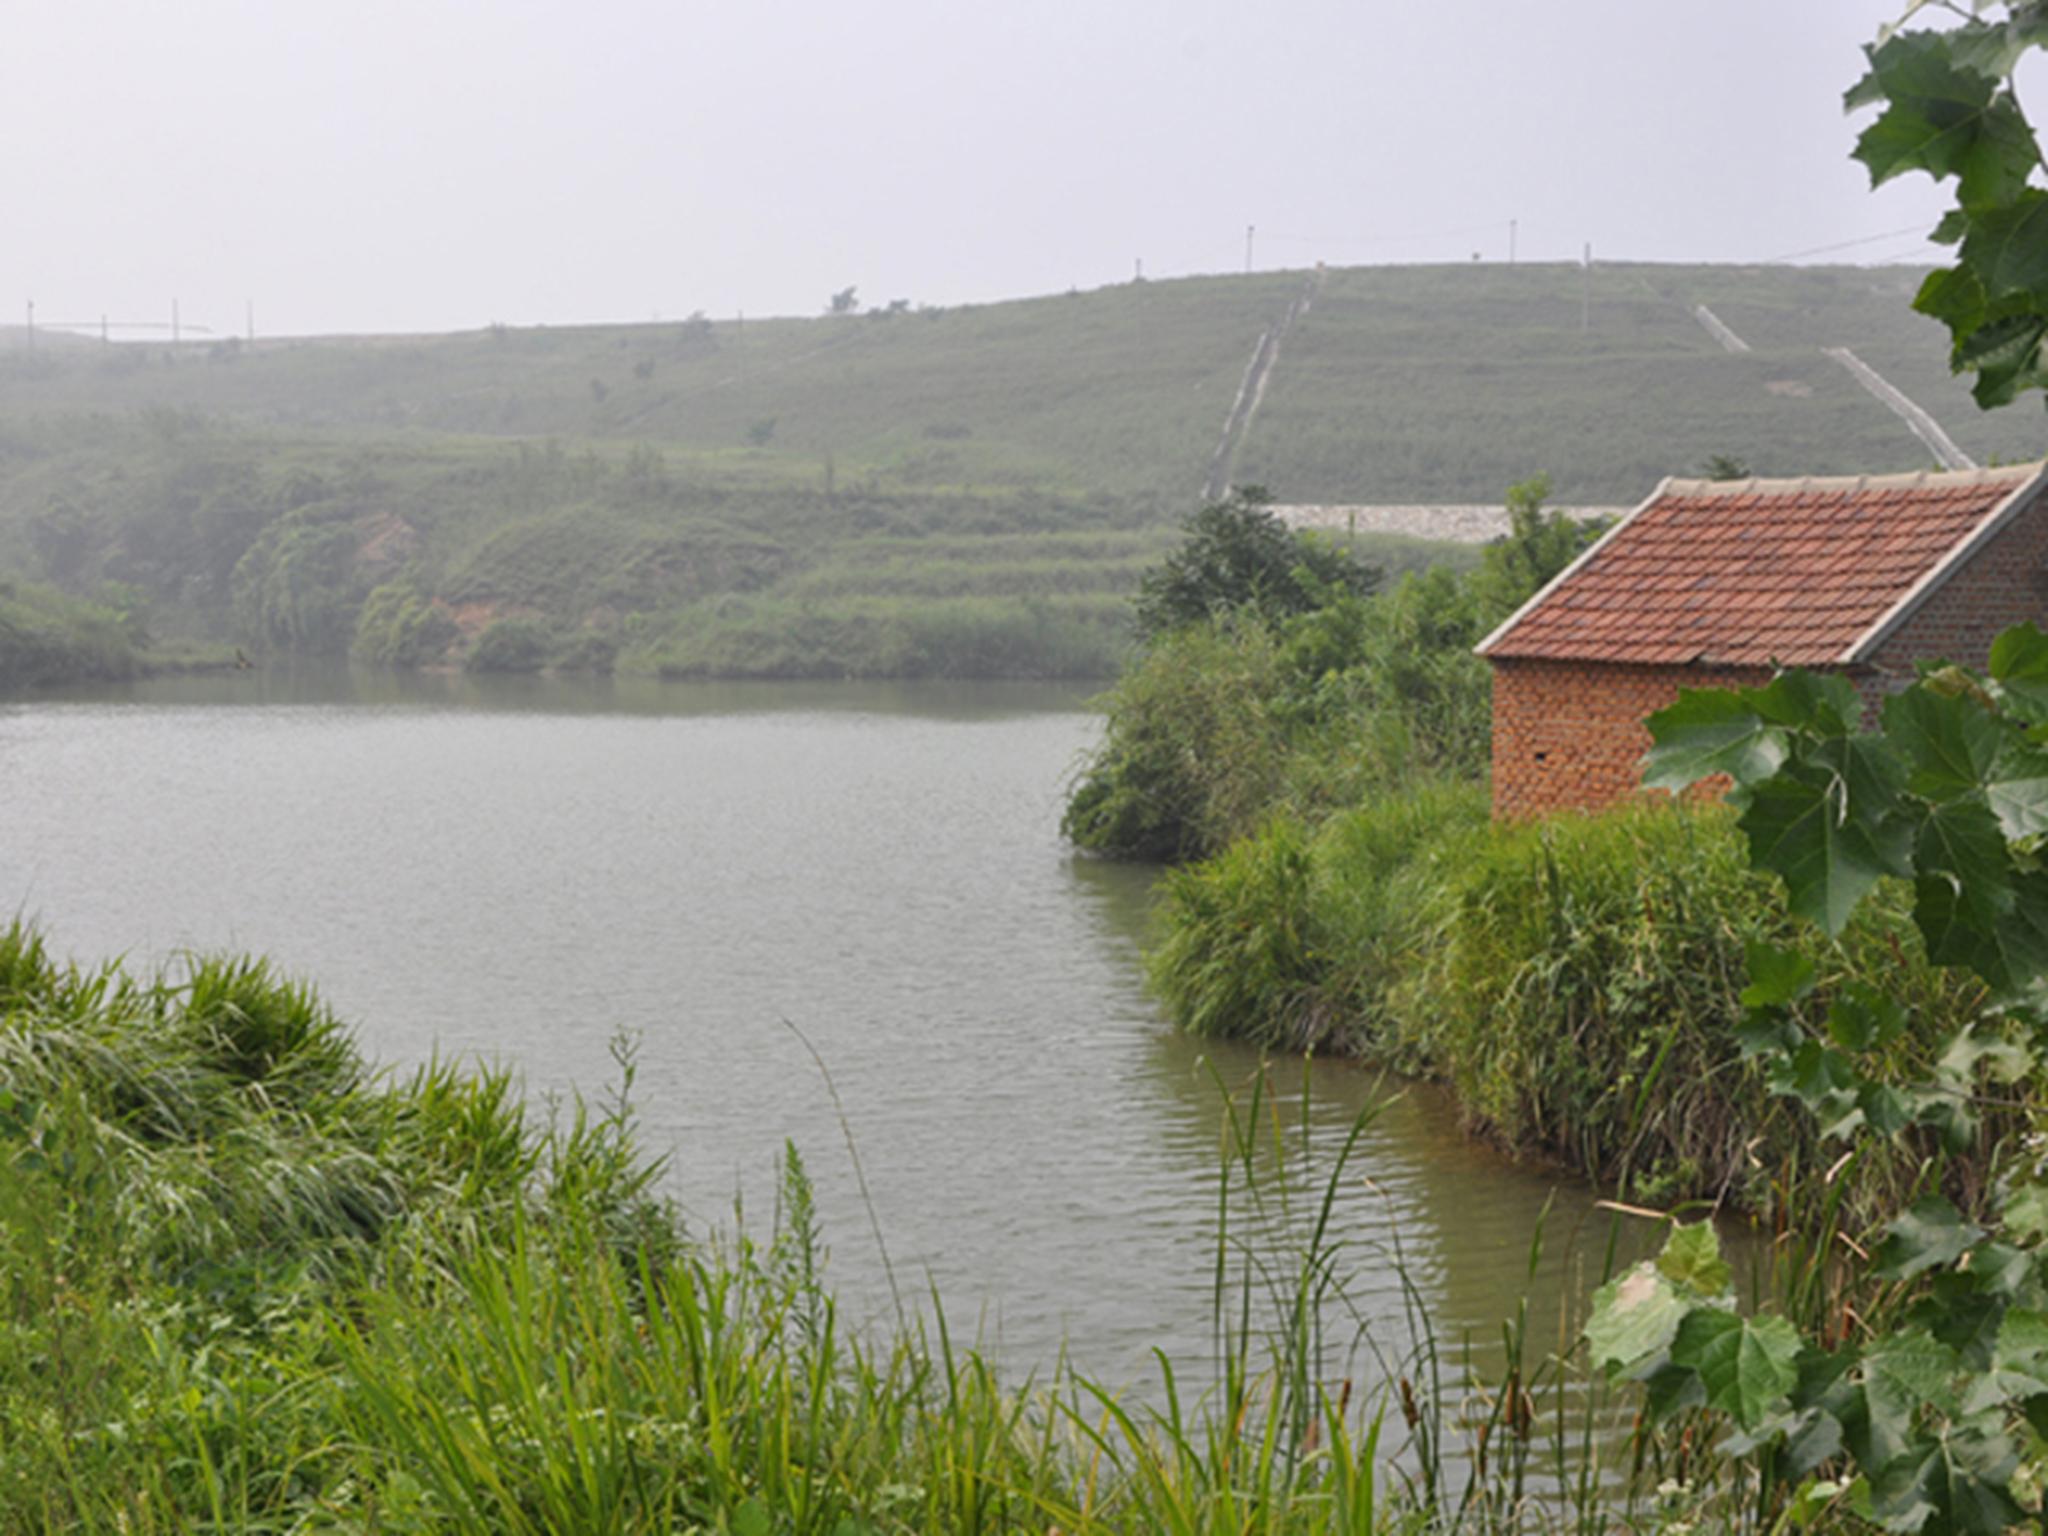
1578 983
249 1283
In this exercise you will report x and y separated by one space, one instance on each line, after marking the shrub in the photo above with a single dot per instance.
590 652
1193 753
47 636
511 645
1238 557
399 627
1576 982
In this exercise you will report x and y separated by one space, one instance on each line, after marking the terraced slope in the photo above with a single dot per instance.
1445 383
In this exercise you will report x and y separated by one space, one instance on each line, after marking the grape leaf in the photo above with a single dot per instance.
1710 732
1692 1260
1748 1365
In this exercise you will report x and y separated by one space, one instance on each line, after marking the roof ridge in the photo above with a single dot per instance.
1757 485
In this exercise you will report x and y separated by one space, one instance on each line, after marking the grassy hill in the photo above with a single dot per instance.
1431 383
972 489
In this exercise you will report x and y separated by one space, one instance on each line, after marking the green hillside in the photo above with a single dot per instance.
969 490
1431 383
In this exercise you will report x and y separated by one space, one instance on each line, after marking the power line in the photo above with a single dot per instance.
1843 245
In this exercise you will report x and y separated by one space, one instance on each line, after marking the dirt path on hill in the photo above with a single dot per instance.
1253 390
1718 330
1923 426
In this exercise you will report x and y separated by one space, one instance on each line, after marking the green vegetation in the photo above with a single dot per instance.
398 627
47 636
956 466
1920 1401
1578 983
1245 710
511 645
1952 109
248 1284
1237 560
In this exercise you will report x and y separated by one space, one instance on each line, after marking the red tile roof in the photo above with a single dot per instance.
1801 572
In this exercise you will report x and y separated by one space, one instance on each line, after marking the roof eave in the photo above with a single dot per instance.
1502 629
1936 576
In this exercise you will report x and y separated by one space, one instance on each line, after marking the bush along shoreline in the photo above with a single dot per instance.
1577 983
1822 1002
1278 674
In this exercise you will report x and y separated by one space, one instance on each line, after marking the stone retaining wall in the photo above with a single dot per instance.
1454 523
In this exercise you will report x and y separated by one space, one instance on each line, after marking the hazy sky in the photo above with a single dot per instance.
433 164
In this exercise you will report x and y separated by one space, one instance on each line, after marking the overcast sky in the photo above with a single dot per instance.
388 165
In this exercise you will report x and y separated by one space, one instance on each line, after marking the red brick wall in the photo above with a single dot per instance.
1569 735
2004 583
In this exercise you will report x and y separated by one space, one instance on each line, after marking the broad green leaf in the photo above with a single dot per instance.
1964 890
1634 1318
1710 732
1816 1437
1978 1050
2000 279
1901 1377
1929 1233
1692 1260
2017 790
1978 1053
1943 117
1765 1032
2007 247
1963 1317
1822 703
1830 847
1953 1483
2018 1366
1886 1110
2023 1339
1948 741
2007 348
2025 1212
1814 1074
2018 667
1953 1119
1776 976
1872 776
1670 1389
1954 296
1748 1365
1861 1018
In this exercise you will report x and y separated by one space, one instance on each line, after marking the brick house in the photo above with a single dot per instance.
1717 583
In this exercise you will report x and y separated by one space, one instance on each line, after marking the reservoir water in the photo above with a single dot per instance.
735 875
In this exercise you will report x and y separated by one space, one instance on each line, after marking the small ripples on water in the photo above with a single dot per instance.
519 875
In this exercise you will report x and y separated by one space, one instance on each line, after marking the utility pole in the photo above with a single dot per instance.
174 322
1249 231
1586 290
31 325
249 315
1511 241
1139 275
103 328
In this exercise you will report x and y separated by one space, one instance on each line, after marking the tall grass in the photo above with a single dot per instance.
249 1284
1577 982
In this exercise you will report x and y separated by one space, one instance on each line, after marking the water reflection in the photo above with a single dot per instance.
318 682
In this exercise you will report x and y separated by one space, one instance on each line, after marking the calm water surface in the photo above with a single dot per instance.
518 872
